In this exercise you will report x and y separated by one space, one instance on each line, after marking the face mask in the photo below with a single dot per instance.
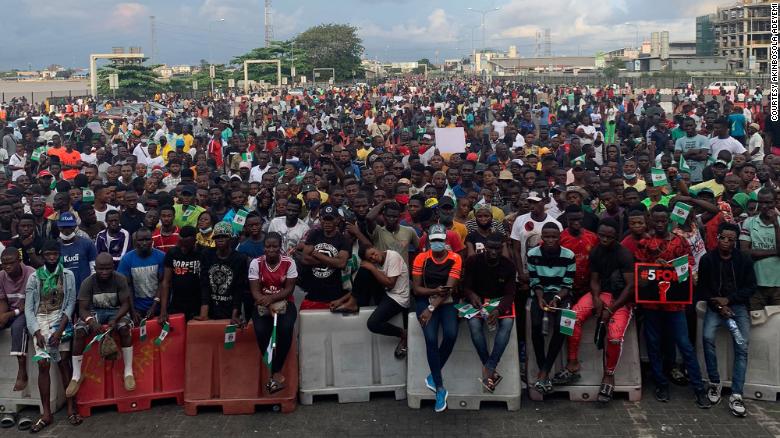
637 140
205 230
311 205
402 199
64 236
438 246
629 176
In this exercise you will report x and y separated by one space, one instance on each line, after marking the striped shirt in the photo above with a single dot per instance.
551 273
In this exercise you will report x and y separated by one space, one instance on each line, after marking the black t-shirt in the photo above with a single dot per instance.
490 281
24 250
223 282
773 128
131 220
589 221
5 237
185 281
611 264
323 283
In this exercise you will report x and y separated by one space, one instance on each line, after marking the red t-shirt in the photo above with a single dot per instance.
651 249
272 279
164 243
581 247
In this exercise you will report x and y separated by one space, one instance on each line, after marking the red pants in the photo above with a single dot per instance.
314 305
616 329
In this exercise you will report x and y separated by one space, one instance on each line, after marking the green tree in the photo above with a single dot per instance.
135 81
334 46
612 69
285 51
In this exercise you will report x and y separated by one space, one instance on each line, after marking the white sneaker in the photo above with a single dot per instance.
713 393
736 405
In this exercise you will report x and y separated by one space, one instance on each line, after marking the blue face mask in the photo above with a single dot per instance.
438 246
311 205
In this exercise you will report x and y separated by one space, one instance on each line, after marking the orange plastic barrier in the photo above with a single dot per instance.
233 378
158 371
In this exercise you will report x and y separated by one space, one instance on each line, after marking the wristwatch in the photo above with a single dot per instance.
431 307
156 299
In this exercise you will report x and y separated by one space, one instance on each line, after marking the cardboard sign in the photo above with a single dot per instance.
659 284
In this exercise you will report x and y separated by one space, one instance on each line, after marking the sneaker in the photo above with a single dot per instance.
737 406
713 393
429 383
702 400
73 388
662 394
441 400
129 383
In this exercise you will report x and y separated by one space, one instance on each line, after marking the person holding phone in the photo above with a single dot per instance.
435 275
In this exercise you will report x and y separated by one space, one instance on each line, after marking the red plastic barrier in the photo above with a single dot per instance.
158 371
233 379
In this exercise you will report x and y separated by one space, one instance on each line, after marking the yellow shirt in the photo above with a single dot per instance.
717 189
639 186
498 214
461 230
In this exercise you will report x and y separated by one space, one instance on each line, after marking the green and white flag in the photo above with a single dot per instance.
230 336
142 330
268 356
165 329
684 167
580 158
36 154
43 355
87 195
96 339
466 310
491 305
681 267
658 176
239 220
568 318
680 212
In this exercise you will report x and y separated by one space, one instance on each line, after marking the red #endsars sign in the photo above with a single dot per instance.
659 284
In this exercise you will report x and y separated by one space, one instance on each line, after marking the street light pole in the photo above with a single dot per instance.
483 12
292 66
211 60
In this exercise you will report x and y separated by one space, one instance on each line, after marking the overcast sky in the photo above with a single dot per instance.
65 32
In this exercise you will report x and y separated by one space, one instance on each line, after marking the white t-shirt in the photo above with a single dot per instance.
101 215
17 161
756 143
142 152
499 128
529 233
89 158
590 129
290 236
395 266
730 144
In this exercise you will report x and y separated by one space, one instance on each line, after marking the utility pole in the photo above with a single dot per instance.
153 35
483 12
269 29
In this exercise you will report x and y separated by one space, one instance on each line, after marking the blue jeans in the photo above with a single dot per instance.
446 317
711 322
503 330
677 326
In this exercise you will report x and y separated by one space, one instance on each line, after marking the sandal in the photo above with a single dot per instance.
489 384
7 421
24 423
605 393
497 378
274 386
75 419
543 386
401 349
39 425
565 377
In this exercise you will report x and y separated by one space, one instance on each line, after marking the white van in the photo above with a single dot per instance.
727 85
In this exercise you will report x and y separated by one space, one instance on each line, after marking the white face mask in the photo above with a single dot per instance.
205 230
629 176
70 236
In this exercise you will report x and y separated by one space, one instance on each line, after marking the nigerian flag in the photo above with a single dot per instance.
568 318
680 212
580 158
684 167
268 356
681 267
659 177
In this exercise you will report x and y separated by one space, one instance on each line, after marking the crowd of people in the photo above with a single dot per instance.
229 208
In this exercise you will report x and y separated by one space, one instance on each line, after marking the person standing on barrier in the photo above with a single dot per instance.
759 238
611 287
489 275
222 280
390 273
726 282
50 299
271 281
13 279
104 298
551 270
662 247
180 287
435 275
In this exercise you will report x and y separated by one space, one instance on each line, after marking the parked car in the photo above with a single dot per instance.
726 85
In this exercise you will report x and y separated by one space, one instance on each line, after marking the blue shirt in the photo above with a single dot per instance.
544 116
145 274
79 257
460 192
737 124
251 248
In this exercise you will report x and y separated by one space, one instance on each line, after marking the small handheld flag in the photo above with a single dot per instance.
568 318
658 176
230 336
680 212
681 267
163 333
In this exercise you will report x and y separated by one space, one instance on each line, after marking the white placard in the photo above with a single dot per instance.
450 140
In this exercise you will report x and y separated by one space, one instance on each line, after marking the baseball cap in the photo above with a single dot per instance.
472 156
188 189
446 202
329 211
308 188
44 173
534 196
723 162
67 219
179 142
741 199
577 189
437 232
244 165
223 229
505 175
431 203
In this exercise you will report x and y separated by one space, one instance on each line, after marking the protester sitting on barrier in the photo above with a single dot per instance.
271 281
435 275
325 254
611 287
180 287
13 280
143 269
104 299
50 299
389 273
726 282
489 276
663 247
759 238
551 269
222 280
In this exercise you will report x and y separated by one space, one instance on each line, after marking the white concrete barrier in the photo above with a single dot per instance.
14 401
